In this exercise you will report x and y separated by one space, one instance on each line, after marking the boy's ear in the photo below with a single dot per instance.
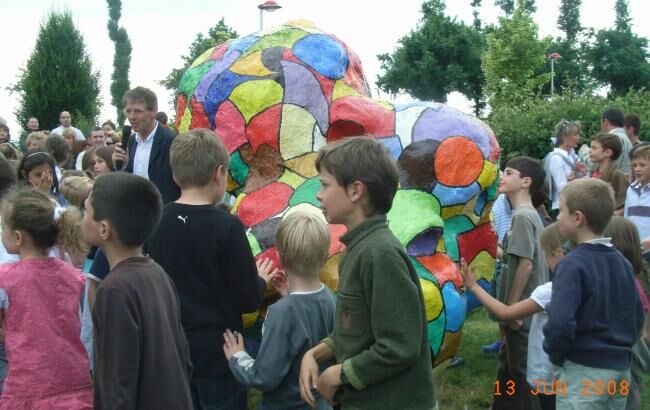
105 230
356 190
221 175
19 238
526 182
579 219
611 153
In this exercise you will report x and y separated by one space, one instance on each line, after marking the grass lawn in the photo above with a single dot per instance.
470 386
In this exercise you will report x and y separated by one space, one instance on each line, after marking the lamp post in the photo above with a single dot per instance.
553 57
268 5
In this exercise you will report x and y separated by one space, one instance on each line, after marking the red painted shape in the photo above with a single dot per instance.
272 254
342 129
288 55
481 238
181 105
373 119
336 246
264 203
199 119
264 128
219 51
443 268
230 126
494 148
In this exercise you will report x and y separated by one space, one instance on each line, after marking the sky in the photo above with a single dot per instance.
162 30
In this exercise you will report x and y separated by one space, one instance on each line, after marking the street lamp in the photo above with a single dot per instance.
268 5
553 57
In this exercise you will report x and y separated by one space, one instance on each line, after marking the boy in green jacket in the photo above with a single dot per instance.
379 342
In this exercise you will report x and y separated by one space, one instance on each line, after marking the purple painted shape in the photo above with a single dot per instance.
219 67
424 244
303 89
442 124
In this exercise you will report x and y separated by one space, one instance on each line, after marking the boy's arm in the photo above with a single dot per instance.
245 286
273 360
559 331
522 274
503 312
396 320
117 351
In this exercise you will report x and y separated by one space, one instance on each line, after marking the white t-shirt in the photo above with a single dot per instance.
538 365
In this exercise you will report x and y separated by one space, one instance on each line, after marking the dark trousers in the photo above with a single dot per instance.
221 392
511 373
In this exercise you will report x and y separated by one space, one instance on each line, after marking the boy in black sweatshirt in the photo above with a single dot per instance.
595 314
205 251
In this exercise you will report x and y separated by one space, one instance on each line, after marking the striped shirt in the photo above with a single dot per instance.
637 208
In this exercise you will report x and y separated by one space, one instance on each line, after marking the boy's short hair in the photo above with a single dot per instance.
195 155
529 167
594 198
302 240
614 116
632 121
130 203
551 238
610 141
641 151
58 148
366 160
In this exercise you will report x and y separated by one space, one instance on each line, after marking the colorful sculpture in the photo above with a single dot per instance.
277 96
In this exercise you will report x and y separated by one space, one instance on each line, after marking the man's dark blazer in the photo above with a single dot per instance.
160 170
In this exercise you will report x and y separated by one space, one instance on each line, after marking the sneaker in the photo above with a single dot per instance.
492 348
457 361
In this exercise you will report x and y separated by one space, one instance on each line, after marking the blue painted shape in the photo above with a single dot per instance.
449 196
472 301
425 243
324 54
242 44
480 203
393 145
220 89
455 307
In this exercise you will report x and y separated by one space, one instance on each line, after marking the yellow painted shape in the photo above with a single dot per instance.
237 202
250 318
251 65
304 25
483 264
232 184
329 275
304 165
203 57
341 89
432 299
387 105
440 247
451 211
291 178
296 132
253 97
184 126
487 175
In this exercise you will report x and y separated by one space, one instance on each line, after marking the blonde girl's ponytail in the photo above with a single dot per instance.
68 228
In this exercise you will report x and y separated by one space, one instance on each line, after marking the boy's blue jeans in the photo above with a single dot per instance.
221 392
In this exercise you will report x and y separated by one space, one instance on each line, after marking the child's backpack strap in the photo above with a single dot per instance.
547 169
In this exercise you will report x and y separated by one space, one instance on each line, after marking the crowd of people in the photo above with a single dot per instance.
155 320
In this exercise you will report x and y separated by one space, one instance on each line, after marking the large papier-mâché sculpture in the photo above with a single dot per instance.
277 96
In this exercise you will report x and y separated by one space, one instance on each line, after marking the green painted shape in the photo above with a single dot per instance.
493 190
306 193
255 246
253 97
413 212
436 332
453 227
193 76
238 168
422 272
283 38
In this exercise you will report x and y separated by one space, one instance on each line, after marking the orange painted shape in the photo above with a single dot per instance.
458 162
443 268
336 246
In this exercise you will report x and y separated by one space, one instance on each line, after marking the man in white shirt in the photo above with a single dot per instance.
612 123
96 139
66 122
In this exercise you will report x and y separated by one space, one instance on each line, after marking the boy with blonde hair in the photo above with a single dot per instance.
379 342
637 200
293 325
205 251
595 314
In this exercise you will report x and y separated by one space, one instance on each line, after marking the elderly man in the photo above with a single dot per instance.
147 149
66 122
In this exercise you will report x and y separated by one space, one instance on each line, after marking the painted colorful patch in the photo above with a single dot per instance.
276 97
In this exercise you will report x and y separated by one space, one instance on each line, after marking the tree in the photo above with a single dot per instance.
58 75
622 16
508 6
440 56
513 54
218 34
569 19
121 59
476 7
